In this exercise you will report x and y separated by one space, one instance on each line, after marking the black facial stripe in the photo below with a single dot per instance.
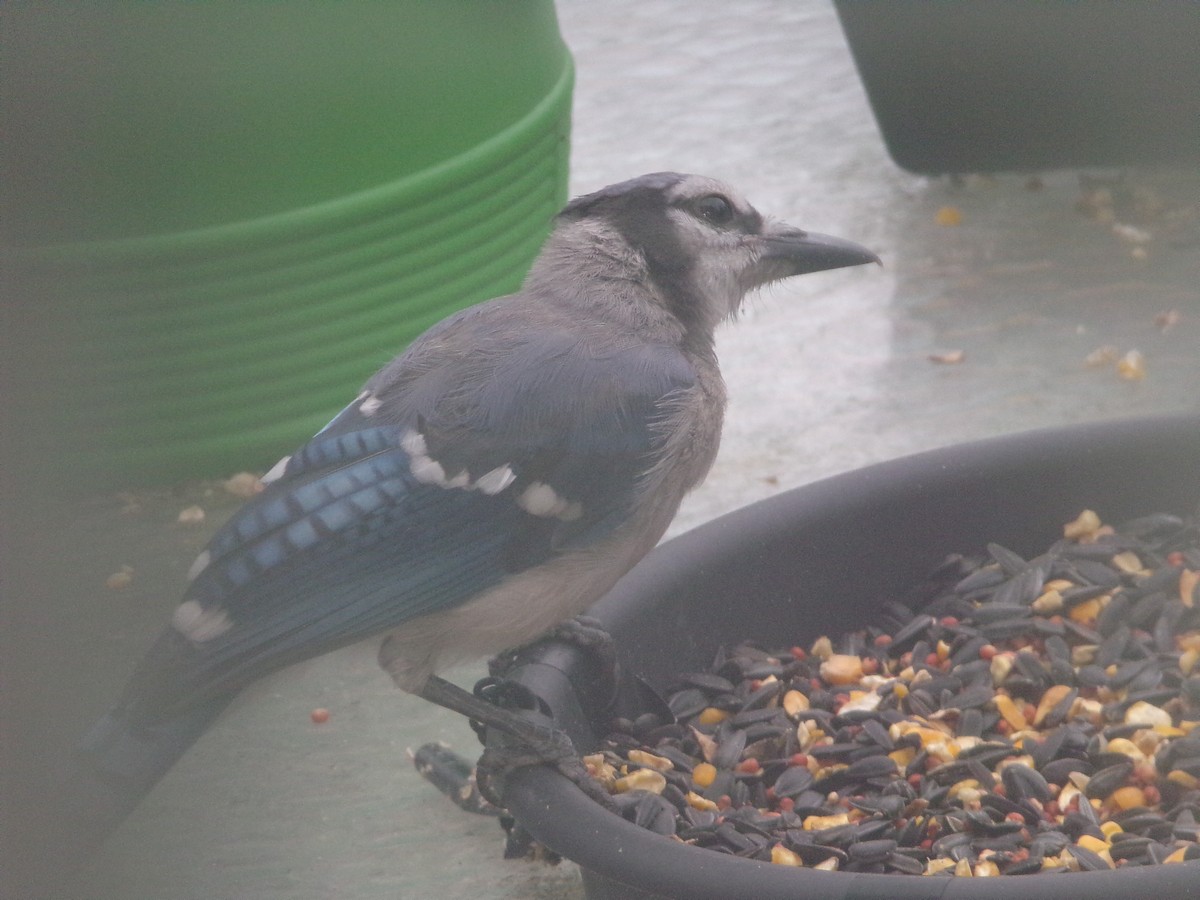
642 220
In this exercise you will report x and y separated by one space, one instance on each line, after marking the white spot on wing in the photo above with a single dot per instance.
198 624
276 471
413 443
199 565
540 499
495 481
424 468
461 480
427 470
370 405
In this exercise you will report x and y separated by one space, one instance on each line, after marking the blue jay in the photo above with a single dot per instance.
489 483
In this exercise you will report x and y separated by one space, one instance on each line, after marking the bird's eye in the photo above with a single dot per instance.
715 209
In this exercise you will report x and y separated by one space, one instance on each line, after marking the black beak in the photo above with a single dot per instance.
792 251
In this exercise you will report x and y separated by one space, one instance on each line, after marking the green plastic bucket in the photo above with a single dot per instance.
221 218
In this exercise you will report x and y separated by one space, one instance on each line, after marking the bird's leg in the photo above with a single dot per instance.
530 743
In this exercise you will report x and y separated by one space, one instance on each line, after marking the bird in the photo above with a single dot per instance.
488 484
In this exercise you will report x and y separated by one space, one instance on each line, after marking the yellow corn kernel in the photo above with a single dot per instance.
1127 562
900 690
1050 698
1000 666
704 775
650 760
1189 640
1050 602
640 780
1187 661
941 864
1087 611
1177 856
1085 523
822 648
695 801
795 703
970 798
1088 842
1143 713
710 715
967 741
1148 739
842 668
809 735
985 868
902 757
825 771
1126 746
1083 654
1110 828
1076 783
962 868
816 823
782 856
708 747
960 786
594 759
1184 779
1187 587
1008 709
600 769
861 700
1023 760
1091 710
827 865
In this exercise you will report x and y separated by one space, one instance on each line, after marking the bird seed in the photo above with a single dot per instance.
1035 715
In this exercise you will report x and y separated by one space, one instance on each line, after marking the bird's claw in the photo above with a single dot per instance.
503 757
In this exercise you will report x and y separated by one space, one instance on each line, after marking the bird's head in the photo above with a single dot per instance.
698 244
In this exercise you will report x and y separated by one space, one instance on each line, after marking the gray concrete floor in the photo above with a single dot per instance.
825 374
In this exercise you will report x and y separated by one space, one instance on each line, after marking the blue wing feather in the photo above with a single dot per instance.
348 541
373 522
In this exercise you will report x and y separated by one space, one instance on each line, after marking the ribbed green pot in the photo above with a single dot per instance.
223 217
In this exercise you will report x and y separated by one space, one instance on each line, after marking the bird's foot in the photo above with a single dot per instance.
501 758
538 745
515 740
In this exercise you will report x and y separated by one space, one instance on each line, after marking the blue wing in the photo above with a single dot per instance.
356 535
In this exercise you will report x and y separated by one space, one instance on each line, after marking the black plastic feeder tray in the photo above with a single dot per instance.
818 560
